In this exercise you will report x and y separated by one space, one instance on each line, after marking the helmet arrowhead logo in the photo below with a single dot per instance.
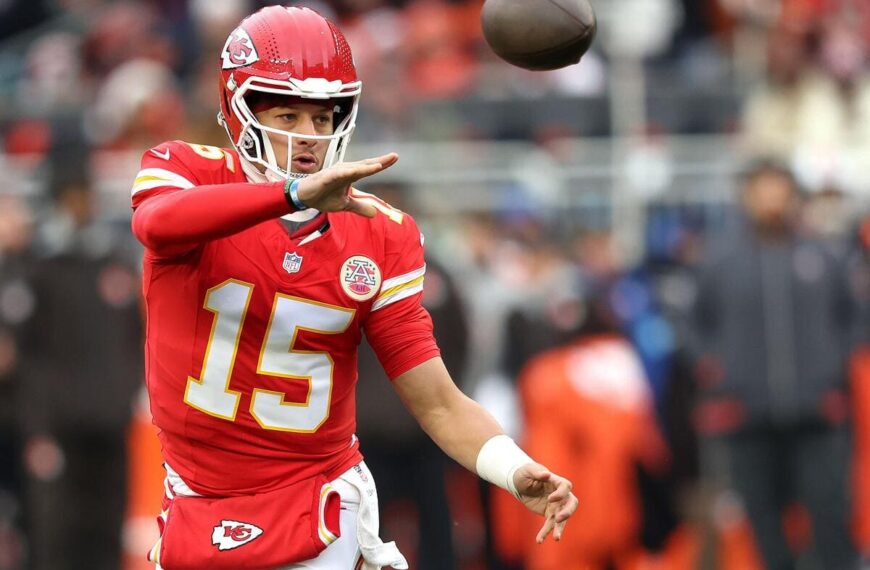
239 50
233 534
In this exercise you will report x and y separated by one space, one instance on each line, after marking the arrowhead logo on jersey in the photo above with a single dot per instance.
239 50
292 262
360 278
233 534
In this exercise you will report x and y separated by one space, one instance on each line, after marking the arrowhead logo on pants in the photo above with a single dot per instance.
233 534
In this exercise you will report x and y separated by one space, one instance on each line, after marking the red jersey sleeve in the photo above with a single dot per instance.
186 195
168 167
398 328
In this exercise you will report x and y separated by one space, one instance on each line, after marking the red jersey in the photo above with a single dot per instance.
252 332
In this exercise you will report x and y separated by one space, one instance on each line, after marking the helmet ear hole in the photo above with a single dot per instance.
248 140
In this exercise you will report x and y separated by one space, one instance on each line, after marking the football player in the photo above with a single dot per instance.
263 267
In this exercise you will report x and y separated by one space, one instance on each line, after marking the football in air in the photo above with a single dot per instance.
538 34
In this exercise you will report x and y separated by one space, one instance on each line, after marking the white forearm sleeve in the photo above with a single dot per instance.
499 459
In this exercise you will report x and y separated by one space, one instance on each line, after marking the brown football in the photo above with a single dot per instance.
538 34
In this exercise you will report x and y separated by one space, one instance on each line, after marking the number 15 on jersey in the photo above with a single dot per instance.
211 393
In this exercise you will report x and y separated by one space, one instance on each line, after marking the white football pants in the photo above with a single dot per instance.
344 553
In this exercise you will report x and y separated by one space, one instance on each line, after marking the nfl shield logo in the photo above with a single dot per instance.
292 262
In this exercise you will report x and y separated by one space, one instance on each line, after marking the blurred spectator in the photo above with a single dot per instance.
816 118
16 307
774 318
550 313
587 406
137 106
123 31
785 109
631 295
844 159
408 466
53 82
440 62
377 35
826 215
81 368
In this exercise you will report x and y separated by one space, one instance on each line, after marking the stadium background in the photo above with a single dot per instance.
529 186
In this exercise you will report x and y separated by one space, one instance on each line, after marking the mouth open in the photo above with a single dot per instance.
304 163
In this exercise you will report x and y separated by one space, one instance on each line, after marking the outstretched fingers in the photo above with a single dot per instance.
330 189
561 504
354 171
556 518
558 529
385 160
549 524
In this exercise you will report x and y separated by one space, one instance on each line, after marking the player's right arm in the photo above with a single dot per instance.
176 207
174 212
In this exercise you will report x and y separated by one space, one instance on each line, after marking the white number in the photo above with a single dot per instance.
277 358
214 153
211 394
290 315
206 151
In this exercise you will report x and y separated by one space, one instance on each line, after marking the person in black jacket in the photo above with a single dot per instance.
81 370
774 319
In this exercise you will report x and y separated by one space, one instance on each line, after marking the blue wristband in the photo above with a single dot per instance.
291 194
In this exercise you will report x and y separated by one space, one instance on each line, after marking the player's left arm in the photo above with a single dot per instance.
471 436
400 331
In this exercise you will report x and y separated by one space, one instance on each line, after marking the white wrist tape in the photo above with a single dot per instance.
499 459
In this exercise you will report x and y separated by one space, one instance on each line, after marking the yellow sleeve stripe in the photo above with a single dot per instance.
141 179
149 178
398 293
397 288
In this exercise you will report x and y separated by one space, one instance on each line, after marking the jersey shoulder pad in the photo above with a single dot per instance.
178 164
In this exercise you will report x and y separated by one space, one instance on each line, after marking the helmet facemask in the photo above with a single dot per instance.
253 143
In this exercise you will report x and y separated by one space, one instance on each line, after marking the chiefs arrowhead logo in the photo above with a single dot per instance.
239 50
233 534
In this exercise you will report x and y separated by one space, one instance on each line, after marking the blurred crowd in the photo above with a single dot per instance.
706 388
